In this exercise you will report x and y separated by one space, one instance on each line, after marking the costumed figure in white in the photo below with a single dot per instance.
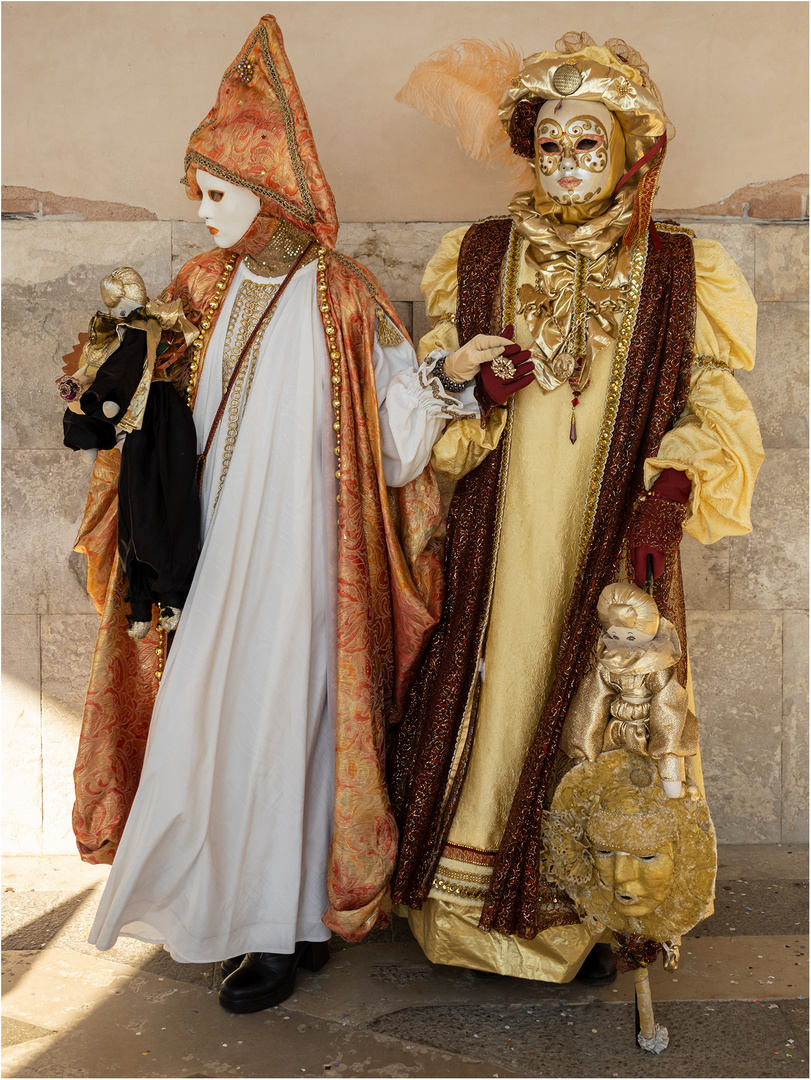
261 821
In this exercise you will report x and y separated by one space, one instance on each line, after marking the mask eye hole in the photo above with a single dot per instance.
216 196
584 145
550 147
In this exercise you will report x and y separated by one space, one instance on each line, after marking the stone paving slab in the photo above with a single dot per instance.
381 1009
144 1025
725 1039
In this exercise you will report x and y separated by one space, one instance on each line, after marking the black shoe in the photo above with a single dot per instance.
598 969
230 966
266 979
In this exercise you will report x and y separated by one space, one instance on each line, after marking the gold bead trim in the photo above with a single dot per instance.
463 875
334 355
208 320
160 653
451 888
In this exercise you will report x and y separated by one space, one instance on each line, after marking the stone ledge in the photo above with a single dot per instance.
29 203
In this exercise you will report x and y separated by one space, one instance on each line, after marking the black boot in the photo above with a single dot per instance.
598 969
266 979
229 966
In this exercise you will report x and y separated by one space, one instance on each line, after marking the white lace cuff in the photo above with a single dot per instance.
434 398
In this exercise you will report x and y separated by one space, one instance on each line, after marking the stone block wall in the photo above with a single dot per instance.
747 596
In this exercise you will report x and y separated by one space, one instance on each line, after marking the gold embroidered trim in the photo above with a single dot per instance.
708 361
612 399
249 304
387 333
356 270
664 226
264 193
464 875
446 316
509 302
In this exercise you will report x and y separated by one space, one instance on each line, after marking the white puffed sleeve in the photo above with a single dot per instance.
414 408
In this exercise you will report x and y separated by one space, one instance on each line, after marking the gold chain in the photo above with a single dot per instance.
198 343
334 355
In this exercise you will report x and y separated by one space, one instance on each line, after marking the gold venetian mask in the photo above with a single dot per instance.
573 151
634 881
631 859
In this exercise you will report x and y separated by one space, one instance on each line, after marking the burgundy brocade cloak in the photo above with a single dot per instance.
653 392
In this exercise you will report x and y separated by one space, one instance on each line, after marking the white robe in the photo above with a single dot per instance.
225 848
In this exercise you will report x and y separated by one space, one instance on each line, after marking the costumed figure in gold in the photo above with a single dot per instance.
634 862
257 821
631 697
630 431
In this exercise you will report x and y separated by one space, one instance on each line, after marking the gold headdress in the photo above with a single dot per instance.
457 86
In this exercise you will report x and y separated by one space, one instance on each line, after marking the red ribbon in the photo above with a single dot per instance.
654 150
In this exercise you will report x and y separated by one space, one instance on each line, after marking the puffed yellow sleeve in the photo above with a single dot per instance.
716 440
440 287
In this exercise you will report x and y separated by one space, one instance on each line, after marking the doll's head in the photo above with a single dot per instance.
123 291
628 615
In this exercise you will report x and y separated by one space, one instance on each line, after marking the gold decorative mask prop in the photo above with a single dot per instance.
633 861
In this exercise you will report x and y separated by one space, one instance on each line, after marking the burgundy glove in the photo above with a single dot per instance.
656 527
491 389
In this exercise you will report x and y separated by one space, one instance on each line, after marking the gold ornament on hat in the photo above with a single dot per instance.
567 79
245 70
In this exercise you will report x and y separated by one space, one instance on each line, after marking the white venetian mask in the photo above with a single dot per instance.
573 154
227 209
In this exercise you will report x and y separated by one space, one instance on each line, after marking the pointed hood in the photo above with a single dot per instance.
258 135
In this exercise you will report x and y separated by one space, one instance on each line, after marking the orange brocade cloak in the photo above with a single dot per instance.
390 591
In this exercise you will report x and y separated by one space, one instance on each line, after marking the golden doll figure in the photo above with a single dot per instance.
631 697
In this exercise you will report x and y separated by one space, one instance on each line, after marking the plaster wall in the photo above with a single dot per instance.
99 99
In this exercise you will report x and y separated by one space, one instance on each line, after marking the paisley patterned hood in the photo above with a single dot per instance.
258 135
